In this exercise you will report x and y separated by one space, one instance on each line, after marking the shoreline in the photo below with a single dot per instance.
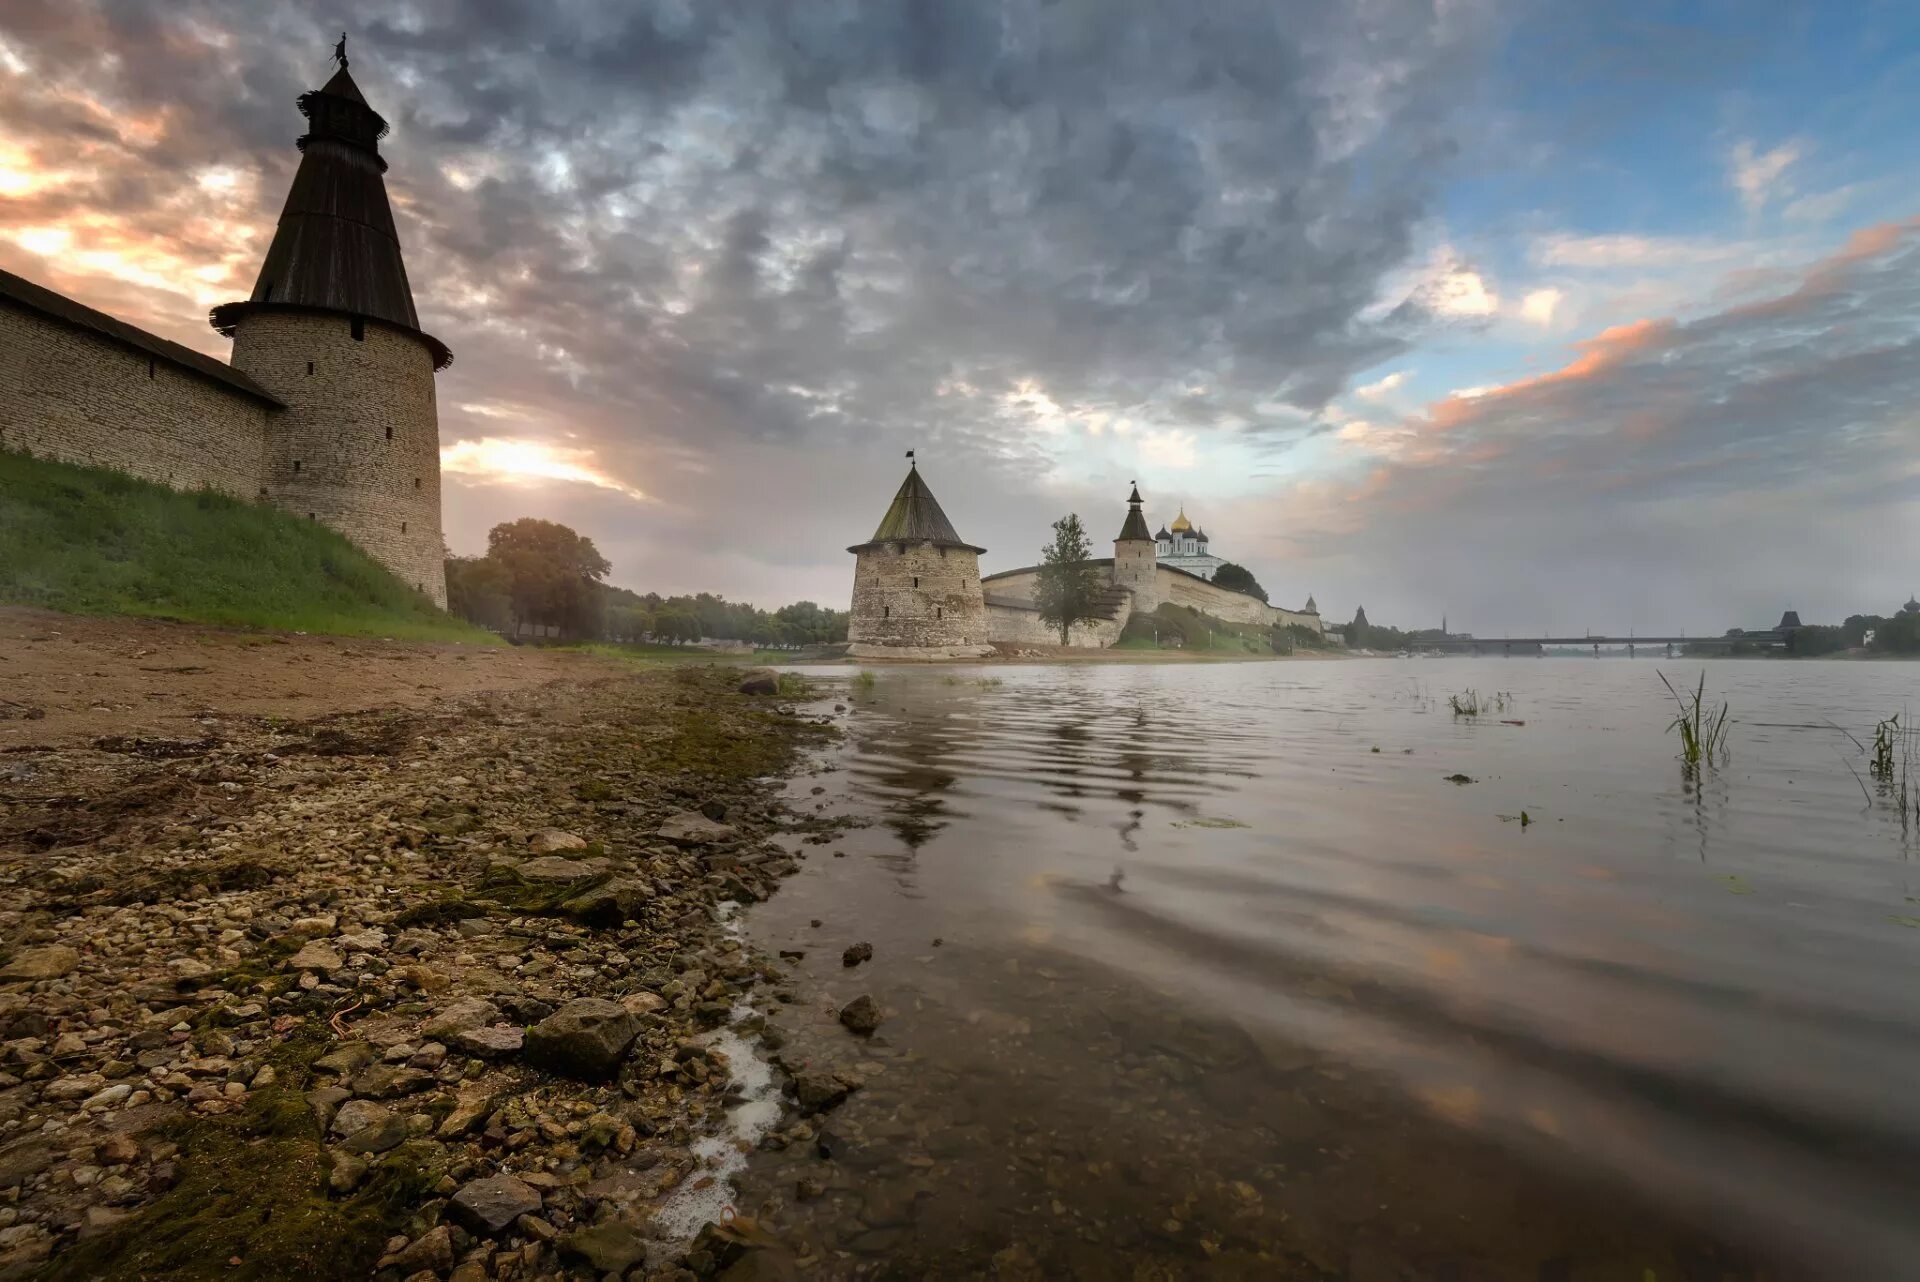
385 990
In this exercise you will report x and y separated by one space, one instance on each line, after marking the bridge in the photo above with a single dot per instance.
1772 638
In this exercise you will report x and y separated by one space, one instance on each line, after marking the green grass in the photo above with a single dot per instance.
91 541
1703 732
645 652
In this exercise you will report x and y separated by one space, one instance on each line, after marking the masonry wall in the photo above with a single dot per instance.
1018 625
1135 568
1235 607
916 594
358 446
79 397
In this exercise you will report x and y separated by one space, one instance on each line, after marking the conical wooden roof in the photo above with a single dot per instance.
1136 524
336 249
914 516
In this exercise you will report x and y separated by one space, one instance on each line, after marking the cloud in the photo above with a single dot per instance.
1381 389
1776 431
1560 249
498 461
1760 176
1539 305
706 238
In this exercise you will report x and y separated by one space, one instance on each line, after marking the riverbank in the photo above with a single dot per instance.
338 959
1008 652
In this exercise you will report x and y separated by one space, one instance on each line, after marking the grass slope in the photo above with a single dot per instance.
90 541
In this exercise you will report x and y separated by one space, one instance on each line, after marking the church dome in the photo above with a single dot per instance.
1181 524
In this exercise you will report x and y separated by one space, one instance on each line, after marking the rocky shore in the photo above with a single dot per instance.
416 993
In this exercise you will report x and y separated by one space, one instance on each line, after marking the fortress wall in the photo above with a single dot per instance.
1017 626
1234 607
358 446
74 395
917 595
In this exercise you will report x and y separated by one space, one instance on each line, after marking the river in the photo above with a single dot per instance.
1218 970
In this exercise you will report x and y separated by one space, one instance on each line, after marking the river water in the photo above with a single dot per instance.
1216 970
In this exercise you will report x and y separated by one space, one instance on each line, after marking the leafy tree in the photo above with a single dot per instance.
1069 588
478 591
1238 578
552 573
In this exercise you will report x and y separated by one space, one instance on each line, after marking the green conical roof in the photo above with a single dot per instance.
1136 524
914 516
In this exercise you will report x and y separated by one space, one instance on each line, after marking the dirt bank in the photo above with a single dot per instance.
67 678
390 983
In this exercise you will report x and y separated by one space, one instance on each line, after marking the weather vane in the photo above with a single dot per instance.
340 50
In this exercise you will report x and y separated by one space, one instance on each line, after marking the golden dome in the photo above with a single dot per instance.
1181 525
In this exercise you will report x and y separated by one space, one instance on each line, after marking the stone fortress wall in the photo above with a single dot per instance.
1018 622
1167 584
918 596
80 396
358 446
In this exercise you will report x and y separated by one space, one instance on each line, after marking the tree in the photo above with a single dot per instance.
1238 578
552 572
1357 633
478 591
1069 589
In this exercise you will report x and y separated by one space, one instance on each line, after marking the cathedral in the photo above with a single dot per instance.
1184 547
918 592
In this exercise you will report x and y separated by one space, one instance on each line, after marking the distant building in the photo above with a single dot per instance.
918 592
1184 547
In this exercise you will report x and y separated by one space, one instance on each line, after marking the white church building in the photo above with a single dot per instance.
1184 547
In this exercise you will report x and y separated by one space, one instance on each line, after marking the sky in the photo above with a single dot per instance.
1541 316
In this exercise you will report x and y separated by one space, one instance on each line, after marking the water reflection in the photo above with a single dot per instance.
1218 913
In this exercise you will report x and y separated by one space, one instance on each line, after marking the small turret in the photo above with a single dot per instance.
1136 557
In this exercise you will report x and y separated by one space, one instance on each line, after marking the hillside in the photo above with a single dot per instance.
91 541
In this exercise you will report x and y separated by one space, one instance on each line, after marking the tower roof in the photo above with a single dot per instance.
1136 524
1180 523
914 516
1163 533
336 249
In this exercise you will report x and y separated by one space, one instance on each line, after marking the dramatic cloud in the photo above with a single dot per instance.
1661 450
709 268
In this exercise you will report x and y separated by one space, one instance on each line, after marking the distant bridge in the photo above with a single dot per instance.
1773 638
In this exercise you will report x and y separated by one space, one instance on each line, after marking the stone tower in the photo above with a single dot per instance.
330 331
1135 559
916 585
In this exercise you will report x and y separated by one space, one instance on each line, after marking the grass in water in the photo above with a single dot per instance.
1472 703
1703 733
794 686
92 541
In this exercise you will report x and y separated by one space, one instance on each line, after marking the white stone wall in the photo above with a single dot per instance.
358 446
80 397
917 595
1235 607
1014 625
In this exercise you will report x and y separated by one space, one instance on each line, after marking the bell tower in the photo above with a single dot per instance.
1136 559
330 330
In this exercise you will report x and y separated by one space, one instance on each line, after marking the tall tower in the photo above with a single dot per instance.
1135 559
330 330
916 585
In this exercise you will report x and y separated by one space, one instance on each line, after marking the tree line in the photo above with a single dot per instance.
545 575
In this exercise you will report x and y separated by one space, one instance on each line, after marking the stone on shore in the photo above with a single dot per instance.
820 1089
556 868
612 1246
552 841
51 962
861 1015
857 953
458 1017
487 1206
691 828
610 903
316 956
586 1038
760 681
